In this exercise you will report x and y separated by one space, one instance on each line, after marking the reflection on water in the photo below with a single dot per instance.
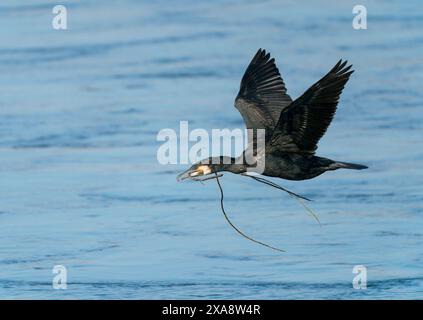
81 186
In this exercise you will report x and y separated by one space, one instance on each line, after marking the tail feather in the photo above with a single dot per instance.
347 165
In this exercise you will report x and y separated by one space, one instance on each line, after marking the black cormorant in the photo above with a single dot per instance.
292 128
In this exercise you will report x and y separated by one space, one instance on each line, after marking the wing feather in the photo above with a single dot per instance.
262 94
305 121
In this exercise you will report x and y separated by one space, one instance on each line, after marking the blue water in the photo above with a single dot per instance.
80 184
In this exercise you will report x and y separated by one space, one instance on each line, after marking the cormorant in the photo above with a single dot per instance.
292 128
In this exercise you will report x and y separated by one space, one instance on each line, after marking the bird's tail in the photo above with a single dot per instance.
347 165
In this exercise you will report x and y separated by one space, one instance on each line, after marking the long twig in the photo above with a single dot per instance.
293 195
271 183
207 178
233 226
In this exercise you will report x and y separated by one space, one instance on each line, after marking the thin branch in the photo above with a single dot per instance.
272 184
295 196
208 178
233 226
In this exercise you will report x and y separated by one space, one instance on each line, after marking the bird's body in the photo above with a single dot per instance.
288 166
292 127
296 166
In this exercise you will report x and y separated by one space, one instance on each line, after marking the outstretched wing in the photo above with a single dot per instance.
262 95
305 121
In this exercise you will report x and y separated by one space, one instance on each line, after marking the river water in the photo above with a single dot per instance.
80 184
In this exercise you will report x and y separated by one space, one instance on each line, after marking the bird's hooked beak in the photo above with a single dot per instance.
194 171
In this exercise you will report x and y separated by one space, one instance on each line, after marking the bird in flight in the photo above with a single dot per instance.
292 129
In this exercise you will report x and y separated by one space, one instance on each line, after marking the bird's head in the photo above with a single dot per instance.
205 167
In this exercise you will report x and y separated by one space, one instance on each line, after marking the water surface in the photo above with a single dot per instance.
80 184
